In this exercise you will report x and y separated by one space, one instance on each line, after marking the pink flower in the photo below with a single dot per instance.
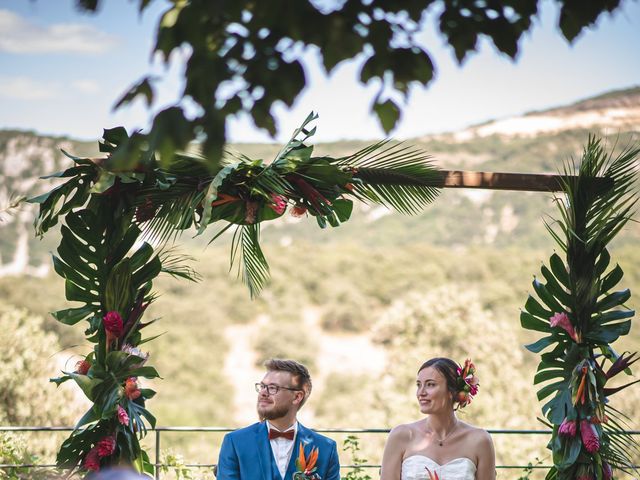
568 428
92 460
123 418
131 350
279 204
112 322
562 320
607 472
589 436
106 446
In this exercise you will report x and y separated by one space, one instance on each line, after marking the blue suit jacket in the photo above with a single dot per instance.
246 455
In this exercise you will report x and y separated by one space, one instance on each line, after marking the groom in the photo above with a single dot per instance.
268 450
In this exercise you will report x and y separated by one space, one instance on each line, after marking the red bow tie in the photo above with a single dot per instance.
273 433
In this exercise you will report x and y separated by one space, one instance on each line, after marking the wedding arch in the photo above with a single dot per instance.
118 214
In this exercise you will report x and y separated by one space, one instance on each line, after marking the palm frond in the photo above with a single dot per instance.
252 263
175 264
397 176
175 212
594 214
11 207
296 142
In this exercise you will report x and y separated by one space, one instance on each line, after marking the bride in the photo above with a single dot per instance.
440 447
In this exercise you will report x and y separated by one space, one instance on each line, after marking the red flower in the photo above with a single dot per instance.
112 322
568 428
589 436
106 446
146 211
562 320
82 367
92 460
298 211
131 388
123 418
279 204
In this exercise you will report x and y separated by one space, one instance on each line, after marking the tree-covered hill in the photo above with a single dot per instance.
363 304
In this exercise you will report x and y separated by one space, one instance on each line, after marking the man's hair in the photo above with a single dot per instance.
300 374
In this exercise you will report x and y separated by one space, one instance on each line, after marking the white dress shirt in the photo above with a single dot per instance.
283 448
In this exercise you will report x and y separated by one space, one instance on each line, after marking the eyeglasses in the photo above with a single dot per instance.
274 389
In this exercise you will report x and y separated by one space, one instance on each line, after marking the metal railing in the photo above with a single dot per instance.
159 430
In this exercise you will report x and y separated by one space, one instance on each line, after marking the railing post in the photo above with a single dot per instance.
157 454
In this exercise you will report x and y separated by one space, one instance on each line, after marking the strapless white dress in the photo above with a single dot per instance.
415 468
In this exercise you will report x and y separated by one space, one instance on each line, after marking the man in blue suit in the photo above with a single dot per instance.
268 450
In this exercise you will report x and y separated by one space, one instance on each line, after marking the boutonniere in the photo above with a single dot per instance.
306 466
432 475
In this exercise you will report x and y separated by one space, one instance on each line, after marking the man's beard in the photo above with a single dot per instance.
273 413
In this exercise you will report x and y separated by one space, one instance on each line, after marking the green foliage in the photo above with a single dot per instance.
530 469
256 50
351 445
582 316
13 451
26 355
245 193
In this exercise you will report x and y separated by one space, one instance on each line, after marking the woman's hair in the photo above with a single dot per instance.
449 370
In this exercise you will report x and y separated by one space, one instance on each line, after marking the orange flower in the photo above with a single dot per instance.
302 462
432 475
131 390
313 458
580 394
224 198
306 465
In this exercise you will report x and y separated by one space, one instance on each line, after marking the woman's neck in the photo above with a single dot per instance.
442 424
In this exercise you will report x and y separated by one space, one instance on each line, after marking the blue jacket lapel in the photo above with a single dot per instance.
265 455
303 436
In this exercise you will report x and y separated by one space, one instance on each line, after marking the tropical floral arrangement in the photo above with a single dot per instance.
120 213
582 315
433 475
468 384
306 465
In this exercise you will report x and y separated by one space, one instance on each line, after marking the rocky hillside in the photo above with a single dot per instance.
612 112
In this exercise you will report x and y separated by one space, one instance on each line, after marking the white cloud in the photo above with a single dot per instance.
25 88
86 86
18 35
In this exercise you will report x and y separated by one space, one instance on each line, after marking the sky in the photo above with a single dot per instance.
61 71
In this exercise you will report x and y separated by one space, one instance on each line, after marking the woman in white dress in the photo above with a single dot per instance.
440 446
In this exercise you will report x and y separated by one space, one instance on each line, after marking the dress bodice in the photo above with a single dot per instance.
415 468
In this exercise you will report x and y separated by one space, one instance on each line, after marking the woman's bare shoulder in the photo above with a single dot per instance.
406 431
476 433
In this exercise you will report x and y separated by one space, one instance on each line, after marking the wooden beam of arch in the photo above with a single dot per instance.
525 182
